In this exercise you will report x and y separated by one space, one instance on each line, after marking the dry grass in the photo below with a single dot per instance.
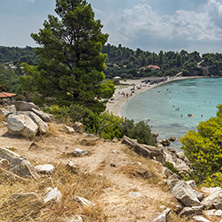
139 163
70 185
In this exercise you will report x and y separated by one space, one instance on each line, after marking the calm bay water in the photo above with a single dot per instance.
166 107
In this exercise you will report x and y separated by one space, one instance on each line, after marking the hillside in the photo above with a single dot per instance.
109 176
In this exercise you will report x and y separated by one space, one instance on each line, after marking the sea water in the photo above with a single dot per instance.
166 107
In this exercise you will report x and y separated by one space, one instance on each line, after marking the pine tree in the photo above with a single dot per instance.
71 62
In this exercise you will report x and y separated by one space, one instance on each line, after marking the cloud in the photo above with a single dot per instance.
32 1
146 28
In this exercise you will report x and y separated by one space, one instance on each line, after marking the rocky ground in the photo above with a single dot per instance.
108 182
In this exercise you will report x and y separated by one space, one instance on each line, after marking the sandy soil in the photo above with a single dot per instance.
116 201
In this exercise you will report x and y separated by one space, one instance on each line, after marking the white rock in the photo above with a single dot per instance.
45 169
25 106
76 218
184 193
44 116
200 219
134 194
163 216
69 129
214 200
53 195
21 125
213 212
70 165
83 201
192 183
8 109
79 152
43 127
210 190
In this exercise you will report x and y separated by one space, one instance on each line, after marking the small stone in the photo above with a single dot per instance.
78 127
53 196
115 140
134 194
69 129
4 164
115 151
78 152
200 219
113 165
75 218
45 169
83 201
71 166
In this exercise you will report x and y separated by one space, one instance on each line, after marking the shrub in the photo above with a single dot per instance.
140 131
204 150
171 167
109 125
78 113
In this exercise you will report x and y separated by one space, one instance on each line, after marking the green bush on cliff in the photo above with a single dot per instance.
140 131
204 149
109 125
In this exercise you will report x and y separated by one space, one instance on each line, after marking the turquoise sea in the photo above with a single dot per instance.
167 106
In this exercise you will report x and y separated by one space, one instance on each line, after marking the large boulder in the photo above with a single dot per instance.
25 106
144 150
43 127
21 207
191 211
21 125
44 116
185 194
214 200
7 110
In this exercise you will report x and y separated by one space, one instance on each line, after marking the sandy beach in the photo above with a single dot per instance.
124 91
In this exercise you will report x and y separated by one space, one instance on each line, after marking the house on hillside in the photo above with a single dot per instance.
152 67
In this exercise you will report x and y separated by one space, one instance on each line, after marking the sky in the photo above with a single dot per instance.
151 25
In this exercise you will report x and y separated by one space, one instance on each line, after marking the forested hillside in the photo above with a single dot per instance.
17 55
124 62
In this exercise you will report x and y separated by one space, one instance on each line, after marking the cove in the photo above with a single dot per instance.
166 107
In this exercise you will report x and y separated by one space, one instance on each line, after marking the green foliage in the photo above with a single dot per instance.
78 113
109 125
140 131
214 180
18 55
8 79
70 58
171 167
204 148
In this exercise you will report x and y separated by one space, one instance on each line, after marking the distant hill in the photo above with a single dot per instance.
18 55
124 62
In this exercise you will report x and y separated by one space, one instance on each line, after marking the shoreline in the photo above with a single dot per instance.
123 92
